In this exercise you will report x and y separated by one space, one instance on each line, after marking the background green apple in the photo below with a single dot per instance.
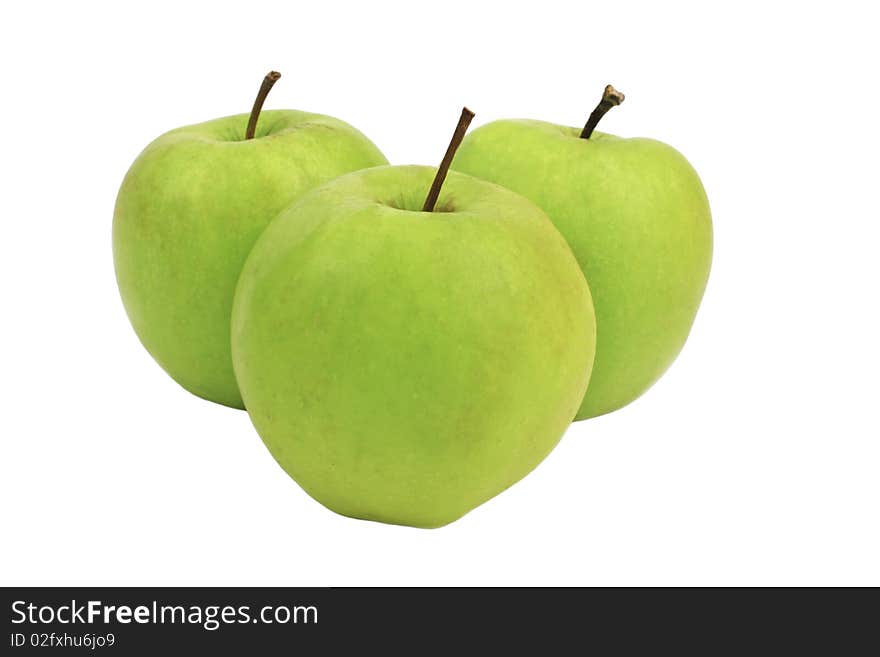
188 212
636 217
406 366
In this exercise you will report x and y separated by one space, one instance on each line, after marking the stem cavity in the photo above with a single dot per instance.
463 122
268 81
611 97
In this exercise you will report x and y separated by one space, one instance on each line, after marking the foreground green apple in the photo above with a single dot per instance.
188 212
405 366
635 214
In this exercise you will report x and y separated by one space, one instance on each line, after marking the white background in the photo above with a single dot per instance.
753 461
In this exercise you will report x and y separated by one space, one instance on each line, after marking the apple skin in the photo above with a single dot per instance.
637 219
404 366
188 212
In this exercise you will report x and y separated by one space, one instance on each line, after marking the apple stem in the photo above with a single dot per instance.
611 97
463 122
268 81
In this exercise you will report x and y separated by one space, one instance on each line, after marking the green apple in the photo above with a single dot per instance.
405 366
636 217
188 212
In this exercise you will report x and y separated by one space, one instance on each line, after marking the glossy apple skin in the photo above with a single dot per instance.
189 210
405 366
636 217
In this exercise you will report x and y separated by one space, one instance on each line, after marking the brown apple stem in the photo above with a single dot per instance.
270 79
611 97
463 122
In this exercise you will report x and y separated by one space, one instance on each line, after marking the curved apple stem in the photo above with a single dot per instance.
611 97
268 81
433 194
